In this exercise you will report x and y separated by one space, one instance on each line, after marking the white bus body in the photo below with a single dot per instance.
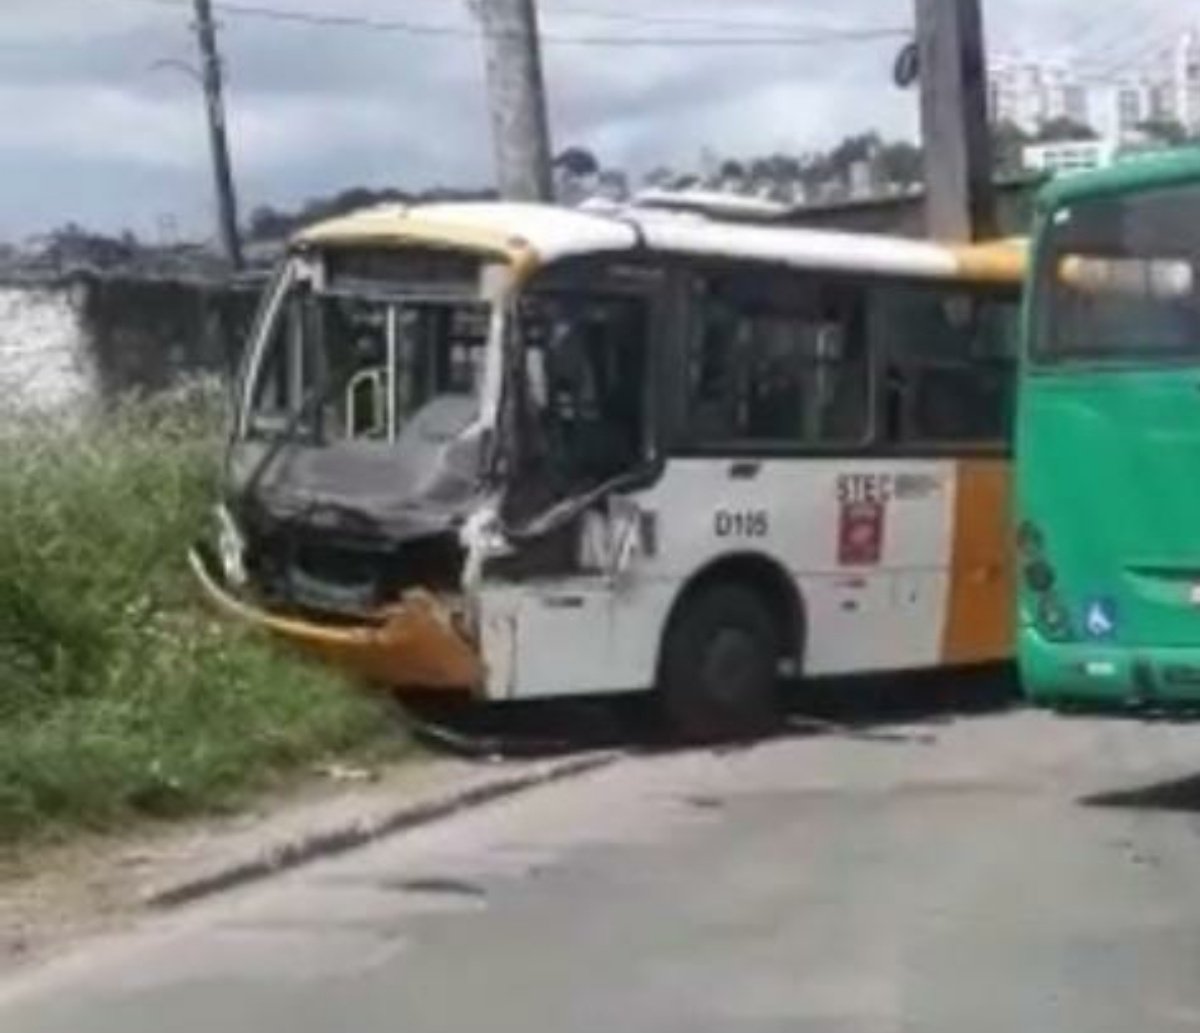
788 424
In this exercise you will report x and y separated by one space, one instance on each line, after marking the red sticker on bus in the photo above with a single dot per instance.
860 534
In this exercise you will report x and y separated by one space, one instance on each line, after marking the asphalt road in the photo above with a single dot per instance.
1007 872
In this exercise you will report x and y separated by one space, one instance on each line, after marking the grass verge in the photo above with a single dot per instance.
120 695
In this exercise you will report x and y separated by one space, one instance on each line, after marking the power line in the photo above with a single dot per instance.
559 10
1102 51
343 21
1156 31
1137 51
1108 36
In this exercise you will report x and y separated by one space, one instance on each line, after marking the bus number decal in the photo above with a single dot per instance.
752 523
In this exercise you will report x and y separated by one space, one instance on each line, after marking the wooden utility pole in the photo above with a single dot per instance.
517 98
210 75
959 190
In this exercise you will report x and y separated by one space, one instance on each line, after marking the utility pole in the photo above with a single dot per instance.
959 190
210 76
517 98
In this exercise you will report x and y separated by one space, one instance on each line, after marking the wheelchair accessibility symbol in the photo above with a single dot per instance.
1100 618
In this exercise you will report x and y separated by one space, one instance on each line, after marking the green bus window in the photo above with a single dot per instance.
1117 280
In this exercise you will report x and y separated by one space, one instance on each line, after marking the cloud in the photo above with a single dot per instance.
91 123
89 131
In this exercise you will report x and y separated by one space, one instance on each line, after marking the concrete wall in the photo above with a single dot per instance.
99 338
43 359
144 335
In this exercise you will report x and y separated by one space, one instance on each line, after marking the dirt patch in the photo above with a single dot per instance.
53 895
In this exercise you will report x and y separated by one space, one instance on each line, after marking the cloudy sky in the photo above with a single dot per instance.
91 131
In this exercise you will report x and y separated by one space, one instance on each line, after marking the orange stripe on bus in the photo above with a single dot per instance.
979 622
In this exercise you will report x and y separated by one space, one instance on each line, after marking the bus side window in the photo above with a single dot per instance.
948 364
776 358
587 357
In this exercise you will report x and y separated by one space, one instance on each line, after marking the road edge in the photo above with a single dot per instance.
336 838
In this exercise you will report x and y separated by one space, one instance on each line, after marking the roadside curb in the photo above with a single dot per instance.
336 838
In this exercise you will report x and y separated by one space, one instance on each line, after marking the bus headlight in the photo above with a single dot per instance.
231 548
1040 577
1030 540
1054 619
1051 615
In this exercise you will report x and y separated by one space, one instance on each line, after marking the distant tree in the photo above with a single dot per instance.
73 247
814 170
1167 131
784 168
575 172
268 224
443 193
661 177
731 170
851 151
787 173
613 184
1055 130
350 200
577 162
758 169
788 177
902 162
1009 141
772 176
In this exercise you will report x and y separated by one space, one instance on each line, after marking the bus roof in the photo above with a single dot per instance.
1143 172
533 234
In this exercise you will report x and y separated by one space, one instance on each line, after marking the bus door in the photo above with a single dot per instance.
584 440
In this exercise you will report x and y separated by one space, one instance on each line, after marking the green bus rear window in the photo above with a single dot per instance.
1118 280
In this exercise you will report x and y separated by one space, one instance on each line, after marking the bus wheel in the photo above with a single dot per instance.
719 675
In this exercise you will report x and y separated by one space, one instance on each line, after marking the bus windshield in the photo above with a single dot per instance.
1117 280
357 364
364 392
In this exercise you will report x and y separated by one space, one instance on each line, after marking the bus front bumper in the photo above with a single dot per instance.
412 645
1108 675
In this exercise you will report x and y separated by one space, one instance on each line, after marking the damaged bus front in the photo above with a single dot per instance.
394 446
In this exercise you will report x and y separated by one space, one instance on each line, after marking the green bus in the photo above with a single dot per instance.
1108 440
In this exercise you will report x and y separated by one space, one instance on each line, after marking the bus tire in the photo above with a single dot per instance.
720 666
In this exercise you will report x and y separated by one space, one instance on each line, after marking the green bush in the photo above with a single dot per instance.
120 694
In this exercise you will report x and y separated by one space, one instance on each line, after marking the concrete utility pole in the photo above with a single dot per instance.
517 97
210 74
960 194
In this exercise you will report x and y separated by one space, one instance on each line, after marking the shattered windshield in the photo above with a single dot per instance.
358 360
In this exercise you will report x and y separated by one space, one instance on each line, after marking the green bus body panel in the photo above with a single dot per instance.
1133 175
1108 470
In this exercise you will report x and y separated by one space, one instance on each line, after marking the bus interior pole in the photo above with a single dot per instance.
959 189
517 98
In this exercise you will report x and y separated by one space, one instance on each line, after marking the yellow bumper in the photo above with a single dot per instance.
413 645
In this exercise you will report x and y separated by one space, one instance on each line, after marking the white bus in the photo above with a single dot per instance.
519 451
